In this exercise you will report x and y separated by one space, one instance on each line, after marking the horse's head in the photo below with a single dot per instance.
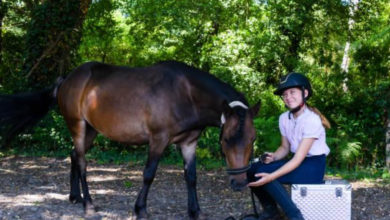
237 136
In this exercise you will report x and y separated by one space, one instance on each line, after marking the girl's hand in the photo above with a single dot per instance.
269 159
265 178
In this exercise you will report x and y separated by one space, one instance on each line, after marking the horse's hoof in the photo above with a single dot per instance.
201 216
89 209
74 199
142 217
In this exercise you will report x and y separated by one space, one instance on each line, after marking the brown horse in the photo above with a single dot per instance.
167 103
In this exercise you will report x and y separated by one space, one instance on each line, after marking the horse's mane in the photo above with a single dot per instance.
207 80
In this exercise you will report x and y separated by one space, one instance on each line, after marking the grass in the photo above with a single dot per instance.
128 184
369 175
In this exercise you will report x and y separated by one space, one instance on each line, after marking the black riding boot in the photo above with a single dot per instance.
299 217
270 208
269 205
270 212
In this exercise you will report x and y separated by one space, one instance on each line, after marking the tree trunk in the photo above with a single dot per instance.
345 62
3 11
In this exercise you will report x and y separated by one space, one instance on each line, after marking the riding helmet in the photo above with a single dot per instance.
292 80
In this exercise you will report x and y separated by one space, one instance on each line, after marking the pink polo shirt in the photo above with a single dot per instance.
307 125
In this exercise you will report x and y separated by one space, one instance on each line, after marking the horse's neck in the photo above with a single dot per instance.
209 93
210 103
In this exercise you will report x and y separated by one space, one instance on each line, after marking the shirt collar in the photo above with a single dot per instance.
305 111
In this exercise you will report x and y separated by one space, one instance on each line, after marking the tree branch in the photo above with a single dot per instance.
44 54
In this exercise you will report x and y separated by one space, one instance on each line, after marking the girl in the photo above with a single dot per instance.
303 133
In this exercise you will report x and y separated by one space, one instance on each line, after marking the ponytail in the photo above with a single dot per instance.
324 121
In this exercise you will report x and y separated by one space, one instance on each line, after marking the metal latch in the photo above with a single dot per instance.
339 192
303 191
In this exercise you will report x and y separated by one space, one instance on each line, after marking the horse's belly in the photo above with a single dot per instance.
128 135
138 139
126 127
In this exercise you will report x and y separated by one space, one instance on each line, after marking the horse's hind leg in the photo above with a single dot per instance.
83 135
75 194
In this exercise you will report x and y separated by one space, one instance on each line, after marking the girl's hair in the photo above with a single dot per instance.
324 121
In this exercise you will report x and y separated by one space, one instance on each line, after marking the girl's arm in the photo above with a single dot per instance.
299 156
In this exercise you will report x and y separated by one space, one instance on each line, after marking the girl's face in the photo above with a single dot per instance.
293 97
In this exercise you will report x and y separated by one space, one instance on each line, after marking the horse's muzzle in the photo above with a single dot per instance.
238 185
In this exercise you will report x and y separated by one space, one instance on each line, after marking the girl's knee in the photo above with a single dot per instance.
250 174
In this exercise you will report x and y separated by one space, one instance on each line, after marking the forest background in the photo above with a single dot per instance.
342 46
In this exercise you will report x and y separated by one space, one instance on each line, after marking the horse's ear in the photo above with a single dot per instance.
255 109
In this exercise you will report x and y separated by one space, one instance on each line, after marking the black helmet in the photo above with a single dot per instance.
293 80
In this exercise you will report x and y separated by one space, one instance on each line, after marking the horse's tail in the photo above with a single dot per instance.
19 112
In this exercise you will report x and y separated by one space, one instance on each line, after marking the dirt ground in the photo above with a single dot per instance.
38 188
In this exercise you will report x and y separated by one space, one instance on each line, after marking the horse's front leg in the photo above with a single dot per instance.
155 152
188 149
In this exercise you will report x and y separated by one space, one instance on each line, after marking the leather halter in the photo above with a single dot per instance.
238 171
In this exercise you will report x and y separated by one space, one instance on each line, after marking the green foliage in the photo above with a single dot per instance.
172 155
115 154
371 174
359 137
52 39
345 152
208 144
13 14
248 44
203 153
268 135
211 164
39 41
104 37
